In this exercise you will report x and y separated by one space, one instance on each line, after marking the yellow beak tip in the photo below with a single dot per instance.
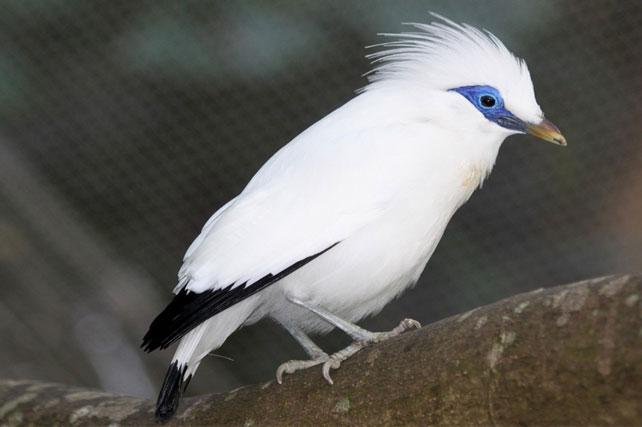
547 131
560 140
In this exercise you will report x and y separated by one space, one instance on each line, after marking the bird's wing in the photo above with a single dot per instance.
257 240
303 202
312 194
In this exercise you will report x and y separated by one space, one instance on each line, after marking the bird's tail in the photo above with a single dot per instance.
179 373
206 337
171 391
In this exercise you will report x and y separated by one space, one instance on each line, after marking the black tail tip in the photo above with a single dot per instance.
164 414
171 392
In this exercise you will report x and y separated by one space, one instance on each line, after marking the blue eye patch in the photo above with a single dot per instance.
488 101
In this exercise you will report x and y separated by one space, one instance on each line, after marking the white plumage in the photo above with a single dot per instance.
379 178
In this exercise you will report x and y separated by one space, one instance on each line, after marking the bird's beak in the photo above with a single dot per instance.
547 131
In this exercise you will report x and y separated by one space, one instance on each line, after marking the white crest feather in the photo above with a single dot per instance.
445 55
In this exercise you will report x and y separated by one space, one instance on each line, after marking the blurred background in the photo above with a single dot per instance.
125 124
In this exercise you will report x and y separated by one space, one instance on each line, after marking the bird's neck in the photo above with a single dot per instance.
481 154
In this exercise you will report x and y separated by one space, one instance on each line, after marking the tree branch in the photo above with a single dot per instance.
566 355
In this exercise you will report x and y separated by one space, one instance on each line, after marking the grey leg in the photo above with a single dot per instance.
317 355
362 338
356 332
313 350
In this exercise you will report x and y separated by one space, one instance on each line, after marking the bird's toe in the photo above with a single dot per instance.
292 366
410 324
332 363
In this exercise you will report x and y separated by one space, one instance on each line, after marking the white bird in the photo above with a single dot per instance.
344 218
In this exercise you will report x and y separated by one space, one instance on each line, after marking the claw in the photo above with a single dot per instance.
283 368
410 324
292 366
332 363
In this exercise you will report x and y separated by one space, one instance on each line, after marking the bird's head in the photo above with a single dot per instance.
475 81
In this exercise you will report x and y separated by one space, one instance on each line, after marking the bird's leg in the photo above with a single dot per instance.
313 350
362 338
317 355
356 332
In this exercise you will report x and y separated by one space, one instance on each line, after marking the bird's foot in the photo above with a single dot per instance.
404 325
292 366
334 361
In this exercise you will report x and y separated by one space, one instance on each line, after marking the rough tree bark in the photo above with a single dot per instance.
566 355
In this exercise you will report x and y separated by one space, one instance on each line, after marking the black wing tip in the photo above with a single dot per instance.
147 345
163 332
189 309
171 392
150 343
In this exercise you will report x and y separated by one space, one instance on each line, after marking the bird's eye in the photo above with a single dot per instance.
487 101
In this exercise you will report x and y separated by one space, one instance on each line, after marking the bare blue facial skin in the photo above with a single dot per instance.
489 102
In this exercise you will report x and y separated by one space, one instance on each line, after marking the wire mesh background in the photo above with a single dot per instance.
124 125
